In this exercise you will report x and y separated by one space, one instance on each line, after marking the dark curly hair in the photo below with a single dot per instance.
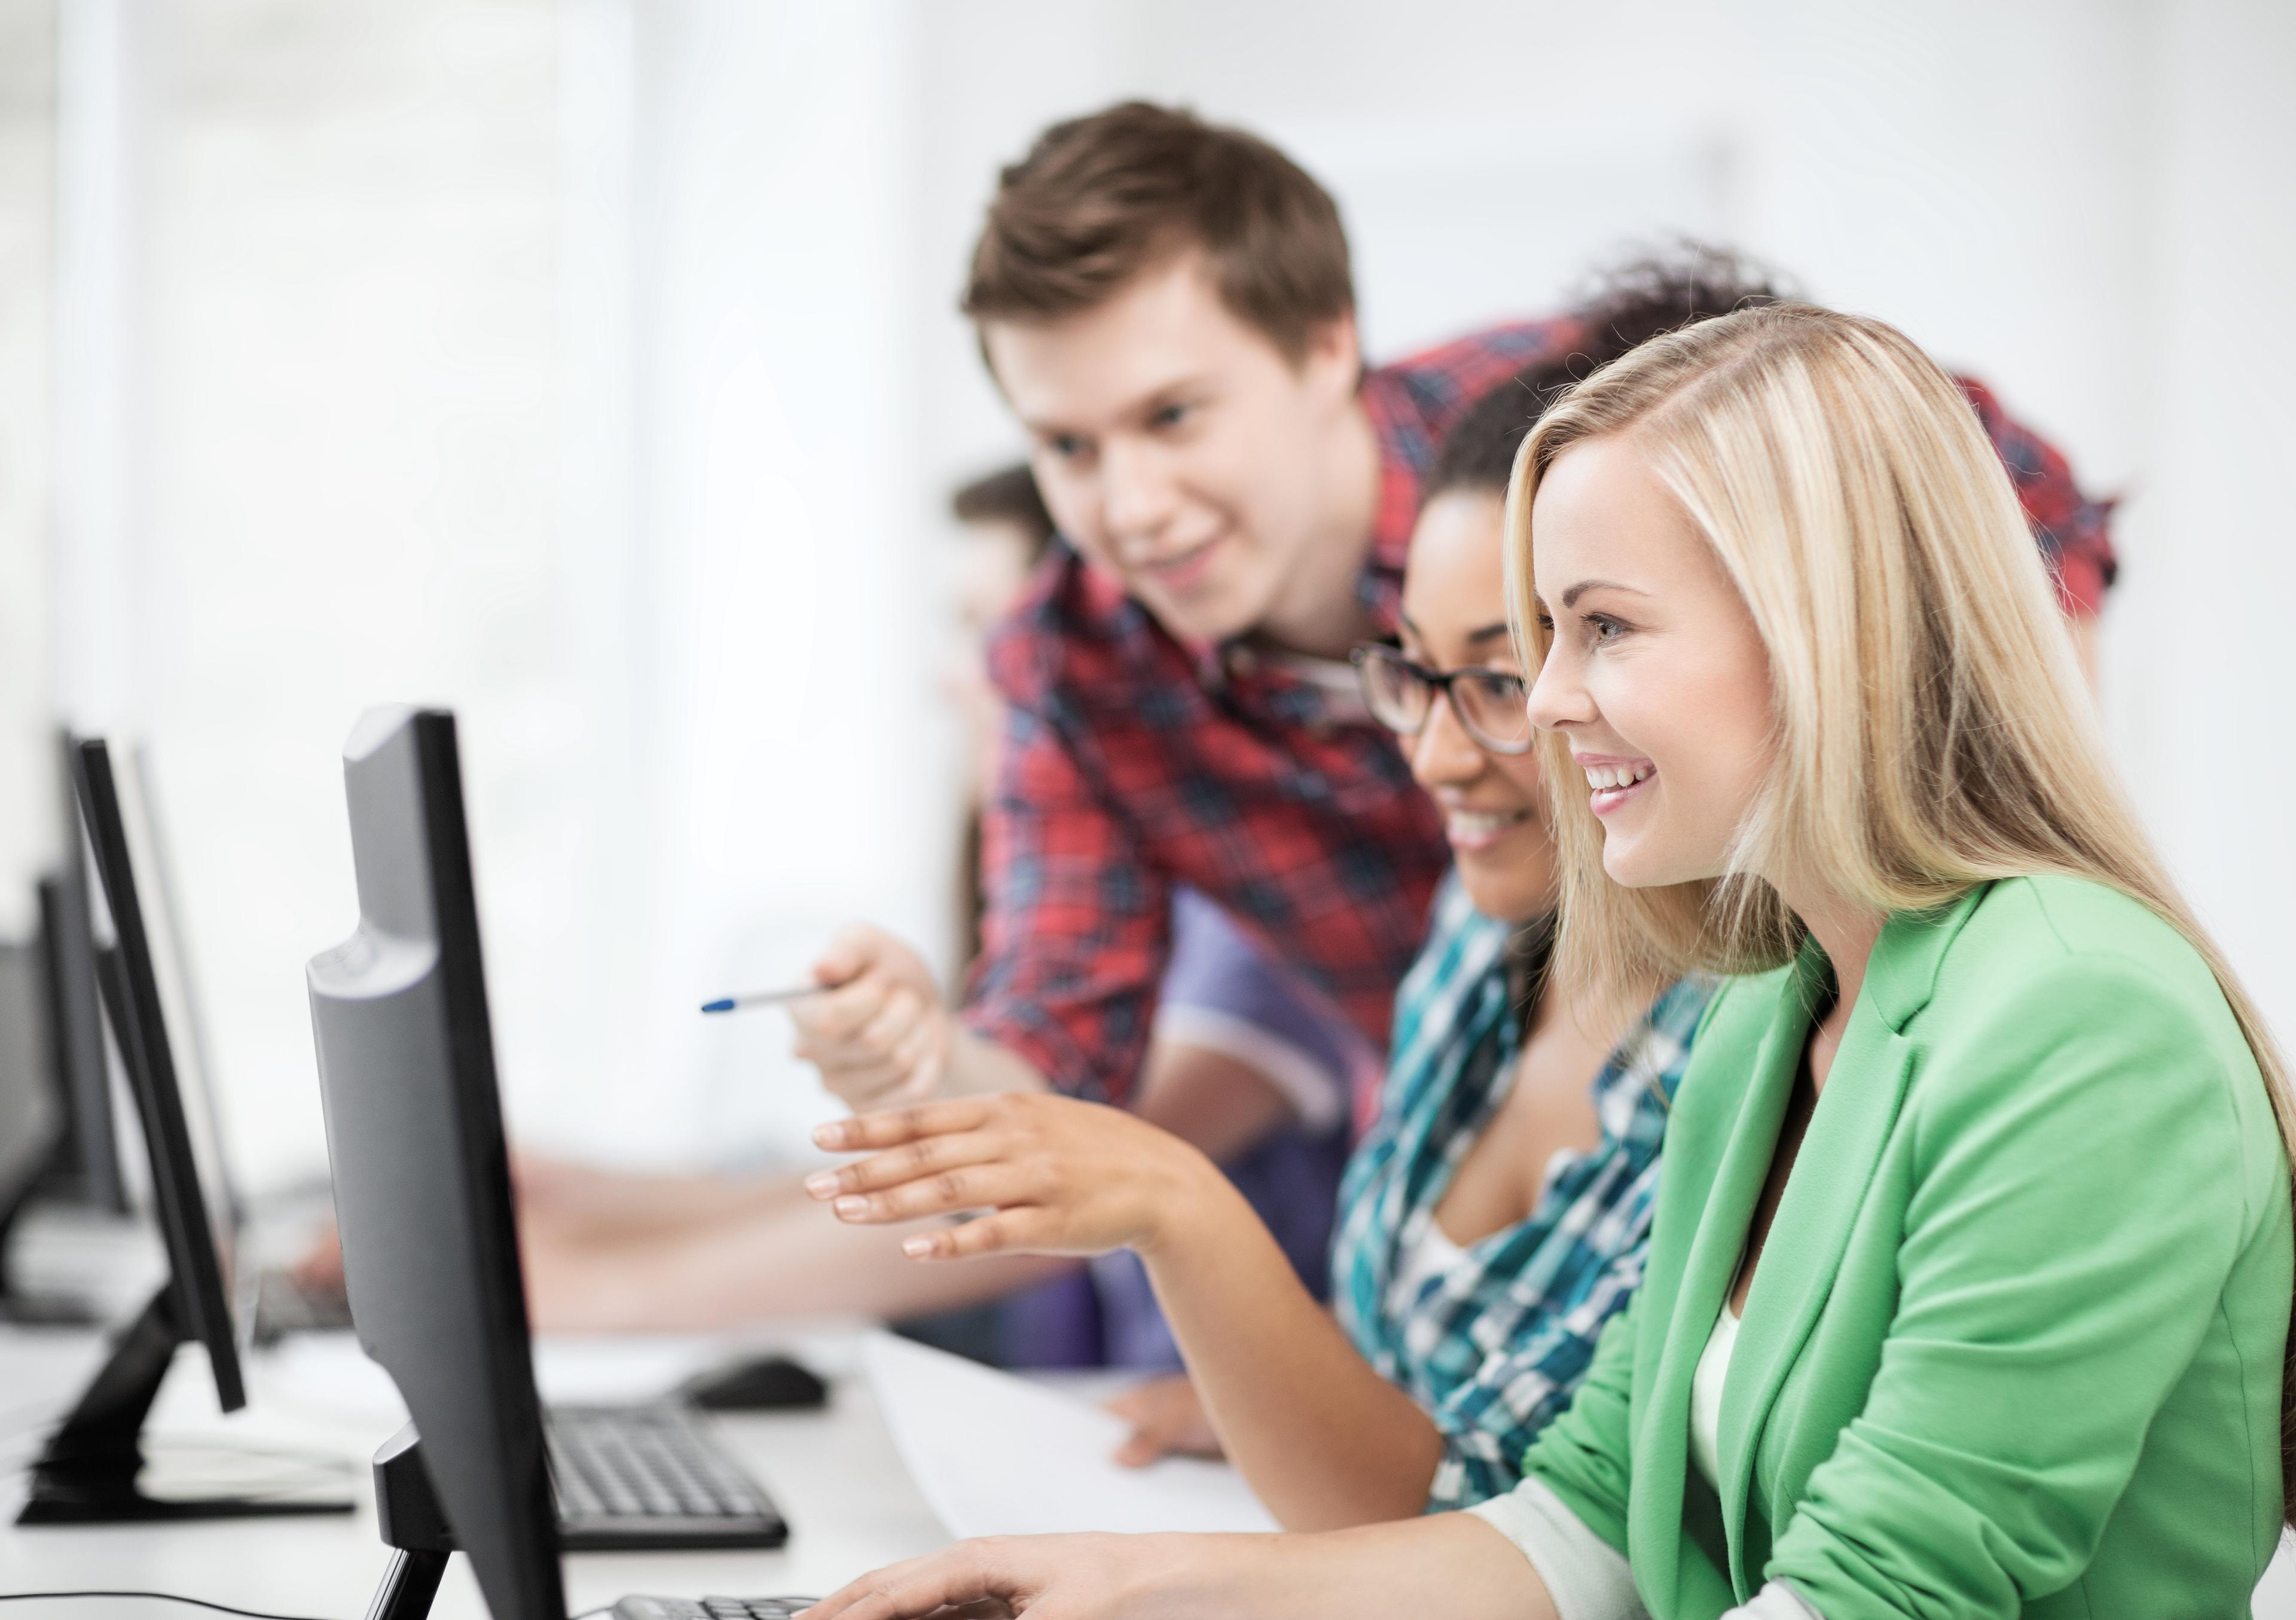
1624 306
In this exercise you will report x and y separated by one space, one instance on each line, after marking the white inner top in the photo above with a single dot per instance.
1706 1396
1435 1252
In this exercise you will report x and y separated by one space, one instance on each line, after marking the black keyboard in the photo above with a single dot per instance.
284 1306
711 1609
636 1478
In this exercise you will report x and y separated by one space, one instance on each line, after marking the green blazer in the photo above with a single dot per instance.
2014 1345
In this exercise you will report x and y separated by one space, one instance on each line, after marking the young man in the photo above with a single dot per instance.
1167 306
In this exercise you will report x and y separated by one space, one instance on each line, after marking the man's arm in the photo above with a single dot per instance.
1078 924
1211 1099
881 1034
773 1256
1075 938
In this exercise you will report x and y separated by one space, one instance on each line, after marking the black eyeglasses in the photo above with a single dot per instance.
1492 704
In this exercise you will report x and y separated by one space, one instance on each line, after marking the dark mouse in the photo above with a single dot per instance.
754 1384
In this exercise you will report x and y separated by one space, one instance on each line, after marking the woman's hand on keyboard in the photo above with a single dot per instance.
1060 1577
1058 1176
1453 1565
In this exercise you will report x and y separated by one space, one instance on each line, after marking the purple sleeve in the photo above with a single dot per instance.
1222 989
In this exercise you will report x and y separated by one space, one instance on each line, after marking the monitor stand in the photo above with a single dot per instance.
87 1473
412 1523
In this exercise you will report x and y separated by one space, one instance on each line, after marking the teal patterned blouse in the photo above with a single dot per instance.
1493 1343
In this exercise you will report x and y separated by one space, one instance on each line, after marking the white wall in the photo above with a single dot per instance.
795 756
542 359
341 244
2201 670
1989 199
28 786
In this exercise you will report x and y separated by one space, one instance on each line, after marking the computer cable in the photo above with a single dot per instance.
154 1597
221 1609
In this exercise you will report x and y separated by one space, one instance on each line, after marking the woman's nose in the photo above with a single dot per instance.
1443 755
1558 697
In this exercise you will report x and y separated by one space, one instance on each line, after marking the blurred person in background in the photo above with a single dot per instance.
1168 308
1496 1214
1242 1063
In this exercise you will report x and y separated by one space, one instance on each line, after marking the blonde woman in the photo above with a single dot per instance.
1969 1286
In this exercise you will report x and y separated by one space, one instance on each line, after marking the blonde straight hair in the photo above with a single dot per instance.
1932 729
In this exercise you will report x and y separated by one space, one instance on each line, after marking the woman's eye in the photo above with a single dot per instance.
1170 415
1067 447
1605 627
1545 622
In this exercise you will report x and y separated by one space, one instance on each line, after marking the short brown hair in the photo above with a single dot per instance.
1099 199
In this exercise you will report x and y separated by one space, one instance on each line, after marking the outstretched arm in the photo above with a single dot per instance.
1451 1565
882 1033
1321 1436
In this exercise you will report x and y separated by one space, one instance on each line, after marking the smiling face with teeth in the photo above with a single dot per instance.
1455 616
1654 673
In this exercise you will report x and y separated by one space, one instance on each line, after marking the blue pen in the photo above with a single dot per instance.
759 998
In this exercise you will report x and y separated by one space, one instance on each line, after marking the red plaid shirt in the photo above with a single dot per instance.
1132 763
2074 533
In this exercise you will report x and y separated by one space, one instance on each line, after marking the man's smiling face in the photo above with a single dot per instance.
1176 446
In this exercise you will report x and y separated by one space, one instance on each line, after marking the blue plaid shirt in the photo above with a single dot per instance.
1494 1343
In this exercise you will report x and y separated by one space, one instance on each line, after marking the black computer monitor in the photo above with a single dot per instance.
430 1237
90 1470
422 1191
35 1118
187 1036
31 1112
86 1169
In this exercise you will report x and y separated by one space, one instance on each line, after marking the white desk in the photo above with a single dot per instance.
848 1500
834 1474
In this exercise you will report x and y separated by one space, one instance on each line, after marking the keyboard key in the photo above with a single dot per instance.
649 1476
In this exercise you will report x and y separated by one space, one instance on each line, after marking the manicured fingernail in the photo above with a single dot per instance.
831 1135
822 1183
850 1207
919 1247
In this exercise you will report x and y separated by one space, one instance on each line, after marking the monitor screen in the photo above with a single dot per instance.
179 996
91 1166
188 1187
31 1114
415 1133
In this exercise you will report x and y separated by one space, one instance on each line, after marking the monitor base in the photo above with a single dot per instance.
412 1523
87 1473
68 1502
46 1311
